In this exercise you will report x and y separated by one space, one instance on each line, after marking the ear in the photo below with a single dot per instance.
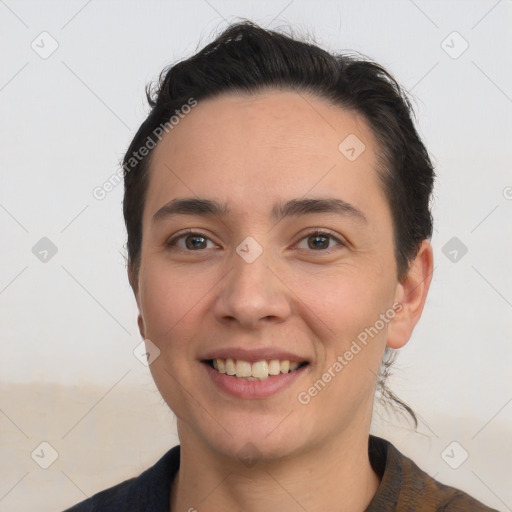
411 293
134 283
140 323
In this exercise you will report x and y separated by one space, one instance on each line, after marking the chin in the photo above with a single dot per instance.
251 440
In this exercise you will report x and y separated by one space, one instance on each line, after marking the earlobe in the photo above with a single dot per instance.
411 294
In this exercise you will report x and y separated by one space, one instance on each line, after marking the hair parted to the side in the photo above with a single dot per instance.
247 58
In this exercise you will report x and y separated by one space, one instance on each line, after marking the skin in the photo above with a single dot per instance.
251 151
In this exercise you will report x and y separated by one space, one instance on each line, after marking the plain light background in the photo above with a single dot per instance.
68 375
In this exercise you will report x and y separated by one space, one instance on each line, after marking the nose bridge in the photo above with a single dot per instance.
251 290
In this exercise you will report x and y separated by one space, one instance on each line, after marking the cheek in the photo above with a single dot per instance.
344 301
347 314
352 349
170 302
170 297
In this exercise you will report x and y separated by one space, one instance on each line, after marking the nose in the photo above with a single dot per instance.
252 294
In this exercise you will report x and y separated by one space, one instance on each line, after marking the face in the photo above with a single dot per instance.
262 282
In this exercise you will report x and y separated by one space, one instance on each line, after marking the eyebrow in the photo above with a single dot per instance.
280 210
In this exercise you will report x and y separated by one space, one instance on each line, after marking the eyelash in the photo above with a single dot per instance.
317 232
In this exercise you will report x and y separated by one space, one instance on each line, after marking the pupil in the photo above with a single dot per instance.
321 245
194 239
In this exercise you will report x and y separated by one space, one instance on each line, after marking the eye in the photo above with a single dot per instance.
193 241
320 240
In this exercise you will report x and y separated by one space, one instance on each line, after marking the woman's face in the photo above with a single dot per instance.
260 287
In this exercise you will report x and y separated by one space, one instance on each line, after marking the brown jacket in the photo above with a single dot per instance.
404 487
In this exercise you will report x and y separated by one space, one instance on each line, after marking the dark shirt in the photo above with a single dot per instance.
404 487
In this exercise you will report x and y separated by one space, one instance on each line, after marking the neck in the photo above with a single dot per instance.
333 475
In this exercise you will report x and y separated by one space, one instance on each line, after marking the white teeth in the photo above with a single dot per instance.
243 368
274 367
221 367
259 370
230 367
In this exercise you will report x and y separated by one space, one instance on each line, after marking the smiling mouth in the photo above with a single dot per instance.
259 370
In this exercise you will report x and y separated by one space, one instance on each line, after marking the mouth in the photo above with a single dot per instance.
256 371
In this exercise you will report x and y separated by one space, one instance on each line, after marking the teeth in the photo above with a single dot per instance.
274 367
260 370
243 369
230 366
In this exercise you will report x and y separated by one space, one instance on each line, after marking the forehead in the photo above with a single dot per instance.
269 118
259 147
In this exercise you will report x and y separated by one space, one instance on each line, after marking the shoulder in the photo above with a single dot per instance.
149 491
405 487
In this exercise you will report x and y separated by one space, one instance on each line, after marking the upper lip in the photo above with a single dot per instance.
252 355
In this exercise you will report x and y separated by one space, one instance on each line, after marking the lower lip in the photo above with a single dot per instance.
253 389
